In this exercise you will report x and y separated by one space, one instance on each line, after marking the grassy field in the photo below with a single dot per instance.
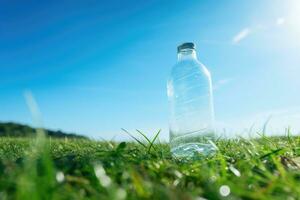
44 168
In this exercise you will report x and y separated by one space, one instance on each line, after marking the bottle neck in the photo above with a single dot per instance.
186 54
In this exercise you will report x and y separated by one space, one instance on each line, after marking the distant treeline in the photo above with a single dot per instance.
19 130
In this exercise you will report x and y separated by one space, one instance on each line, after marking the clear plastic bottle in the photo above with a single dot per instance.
191 105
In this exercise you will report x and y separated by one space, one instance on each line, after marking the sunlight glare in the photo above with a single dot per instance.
293 18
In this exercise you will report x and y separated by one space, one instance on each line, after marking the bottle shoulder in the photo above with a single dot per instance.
186 67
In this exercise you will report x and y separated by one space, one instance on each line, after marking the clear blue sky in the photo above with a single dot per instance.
97 66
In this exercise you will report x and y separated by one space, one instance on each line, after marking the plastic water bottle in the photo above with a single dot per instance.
191 105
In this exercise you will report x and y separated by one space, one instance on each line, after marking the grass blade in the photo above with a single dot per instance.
152 142
138 141
140 132
271 153
265 125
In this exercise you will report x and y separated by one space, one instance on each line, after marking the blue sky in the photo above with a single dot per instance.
97 66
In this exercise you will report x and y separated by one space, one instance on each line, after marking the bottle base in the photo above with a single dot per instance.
191 150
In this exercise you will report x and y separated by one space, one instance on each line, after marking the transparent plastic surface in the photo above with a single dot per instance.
191 119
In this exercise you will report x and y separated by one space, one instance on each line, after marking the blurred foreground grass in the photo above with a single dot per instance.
44 168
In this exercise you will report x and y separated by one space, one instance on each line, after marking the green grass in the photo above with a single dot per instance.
264 168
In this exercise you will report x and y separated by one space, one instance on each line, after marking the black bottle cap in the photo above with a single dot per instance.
186 45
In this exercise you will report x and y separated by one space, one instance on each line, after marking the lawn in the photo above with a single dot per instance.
45 168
